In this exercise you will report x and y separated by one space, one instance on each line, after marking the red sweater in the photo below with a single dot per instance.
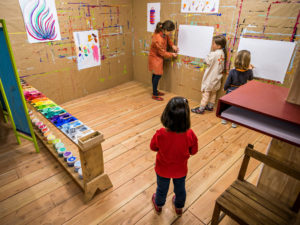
173 151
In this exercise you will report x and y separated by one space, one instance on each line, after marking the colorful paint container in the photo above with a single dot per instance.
35 120
42 126
55 141
59 145
39 123
50 138
46 134
30 112
71 161
80 173
77 166
61 152
44 130
67 155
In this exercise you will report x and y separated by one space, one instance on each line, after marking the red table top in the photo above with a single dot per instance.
266 99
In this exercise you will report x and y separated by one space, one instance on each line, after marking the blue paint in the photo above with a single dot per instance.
71 161
215 14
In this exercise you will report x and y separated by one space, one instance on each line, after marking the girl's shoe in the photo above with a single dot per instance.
198 110
233 125
157 98
209 108
160 93
224 122
177 210
157 208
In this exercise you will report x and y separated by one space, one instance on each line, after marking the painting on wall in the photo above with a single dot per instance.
87 49
153 16
199 6
41 22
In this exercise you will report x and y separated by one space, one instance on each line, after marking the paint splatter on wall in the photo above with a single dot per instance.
55 62
269 20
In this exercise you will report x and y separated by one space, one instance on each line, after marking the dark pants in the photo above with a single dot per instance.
155 80
163 187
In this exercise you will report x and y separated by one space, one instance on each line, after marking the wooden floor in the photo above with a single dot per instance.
34 188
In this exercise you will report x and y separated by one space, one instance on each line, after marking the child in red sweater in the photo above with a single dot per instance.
174 144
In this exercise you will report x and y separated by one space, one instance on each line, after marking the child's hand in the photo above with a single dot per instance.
174 55
175 48
251 67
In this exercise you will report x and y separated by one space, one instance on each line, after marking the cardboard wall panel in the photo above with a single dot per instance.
269 20
51 66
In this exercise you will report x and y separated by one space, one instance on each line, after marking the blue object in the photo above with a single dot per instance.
10 84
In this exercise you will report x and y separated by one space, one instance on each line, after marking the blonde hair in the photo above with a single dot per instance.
242 60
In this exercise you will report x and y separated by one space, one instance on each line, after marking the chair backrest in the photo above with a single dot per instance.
284 167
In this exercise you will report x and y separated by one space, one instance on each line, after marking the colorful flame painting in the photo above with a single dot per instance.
87 49
41 20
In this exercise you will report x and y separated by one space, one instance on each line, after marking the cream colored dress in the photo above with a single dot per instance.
211 80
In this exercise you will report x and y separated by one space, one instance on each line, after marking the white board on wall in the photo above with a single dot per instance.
195 41
153 16
270 58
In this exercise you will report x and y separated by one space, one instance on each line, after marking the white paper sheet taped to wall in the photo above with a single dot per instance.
195 41
270 58
153 16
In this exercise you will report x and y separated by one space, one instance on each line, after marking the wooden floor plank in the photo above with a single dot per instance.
17 201
138 213
8 177
30 180
210 173
203 206
33 190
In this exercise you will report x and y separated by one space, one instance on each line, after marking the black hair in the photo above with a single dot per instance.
168 25
221 40
176 116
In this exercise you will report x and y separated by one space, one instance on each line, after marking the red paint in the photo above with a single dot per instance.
295 28
269 9
237 23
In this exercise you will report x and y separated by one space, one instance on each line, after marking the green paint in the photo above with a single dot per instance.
125 70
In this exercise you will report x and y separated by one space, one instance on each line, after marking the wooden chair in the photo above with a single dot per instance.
247 204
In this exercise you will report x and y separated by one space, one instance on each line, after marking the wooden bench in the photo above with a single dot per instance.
247 204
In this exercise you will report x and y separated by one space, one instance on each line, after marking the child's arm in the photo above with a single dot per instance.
228 81
162 52
193 149
153 143
170 43
209 58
